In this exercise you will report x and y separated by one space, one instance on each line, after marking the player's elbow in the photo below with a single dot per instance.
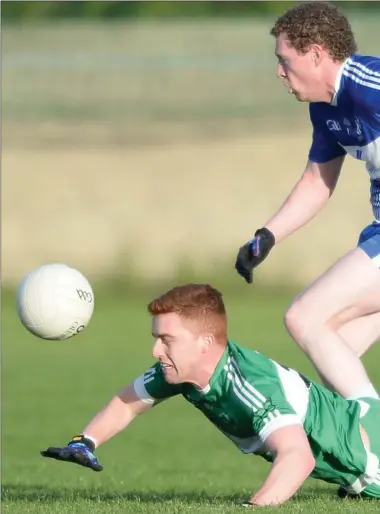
302 460
308 462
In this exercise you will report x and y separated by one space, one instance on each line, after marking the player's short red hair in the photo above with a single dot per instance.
200 304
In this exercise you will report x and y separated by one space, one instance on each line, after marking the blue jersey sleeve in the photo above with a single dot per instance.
324 146
362 80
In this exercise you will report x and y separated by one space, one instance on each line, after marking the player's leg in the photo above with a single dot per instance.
349 289
370 422
361 333
367 463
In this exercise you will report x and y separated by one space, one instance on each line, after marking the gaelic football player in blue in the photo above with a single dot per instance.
337 318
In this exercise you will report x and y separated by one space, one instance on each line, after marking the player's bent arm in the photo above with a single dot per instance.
292 465
116 415
307 198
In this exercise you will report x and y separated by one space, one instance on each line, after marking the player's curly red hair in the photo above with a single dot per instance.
320 23
200 304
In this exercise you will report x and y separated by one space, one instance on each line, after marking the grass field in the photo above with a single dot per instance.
170 460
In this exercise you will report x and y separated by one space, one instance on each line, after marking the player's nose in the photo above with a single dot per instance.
157 349
280 71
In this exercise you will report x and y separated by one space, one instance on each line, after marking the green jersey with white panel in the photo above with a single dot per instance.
249 396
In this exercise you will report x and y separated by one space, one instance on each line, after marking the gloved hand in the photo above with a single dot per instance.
80 450
251 254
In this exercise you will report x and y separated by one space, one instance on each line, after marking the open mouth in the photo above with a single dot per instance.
289 88
166 366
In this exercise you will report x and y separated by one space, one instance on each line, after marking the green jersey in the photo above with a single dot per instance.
250 396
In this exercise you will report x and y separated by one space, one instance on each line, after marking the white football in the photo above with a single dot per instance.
55 301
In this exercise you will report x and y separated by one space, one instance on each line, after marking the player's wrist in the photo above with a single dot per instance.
85 439
268 234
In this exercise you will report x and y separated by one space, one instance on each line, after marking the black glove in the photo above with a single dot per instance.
80 450
253 253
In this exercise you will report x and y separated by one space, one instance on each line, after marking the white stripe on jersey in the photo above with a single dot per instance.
365 76
274 418
285 420
368 477
244 391
141 392
365 69
273 415
149 374
237 392
241 383
247 384
359 81
295 390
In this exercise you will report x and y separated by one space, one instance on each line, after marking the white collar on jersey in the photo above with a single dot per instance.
338 80
204 389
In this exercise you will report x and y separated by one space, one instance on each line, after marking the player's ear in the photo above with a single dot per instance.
208 342
316 53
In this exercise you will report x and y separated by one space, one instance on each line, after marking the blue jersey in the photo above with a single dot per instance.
350 124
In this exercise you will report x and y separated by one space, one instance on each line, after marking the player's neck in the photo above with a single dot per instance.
332 74
208 367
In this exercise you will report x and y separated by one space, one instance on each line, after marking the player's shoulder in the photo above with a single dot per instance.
241 352
250 362
369 64
358 80
361 77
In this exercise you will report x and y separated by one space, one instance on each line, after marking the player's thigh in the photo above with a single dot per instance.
350 287
363 315
359 333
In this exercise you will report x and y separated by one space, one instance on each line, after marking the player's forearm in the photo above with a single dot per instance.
288 473
111 420
308 197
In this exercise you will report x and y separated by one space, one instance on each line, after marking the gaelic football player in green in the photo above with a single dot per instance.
262 407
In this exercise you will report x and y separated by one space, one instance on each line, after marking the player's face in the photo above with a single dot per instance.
177 347
298 71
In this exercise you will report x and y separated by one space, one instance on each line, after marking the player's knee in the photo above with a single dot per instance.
297 323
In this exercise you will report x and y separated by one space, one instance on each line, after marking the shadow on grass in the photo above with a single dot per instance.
40 493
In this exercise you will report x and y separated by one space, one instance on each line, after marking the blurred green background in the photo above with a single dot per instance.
16 11
208 65
143 143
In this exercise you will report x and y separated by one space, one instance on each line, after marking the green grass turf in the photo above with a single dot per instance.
171 459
